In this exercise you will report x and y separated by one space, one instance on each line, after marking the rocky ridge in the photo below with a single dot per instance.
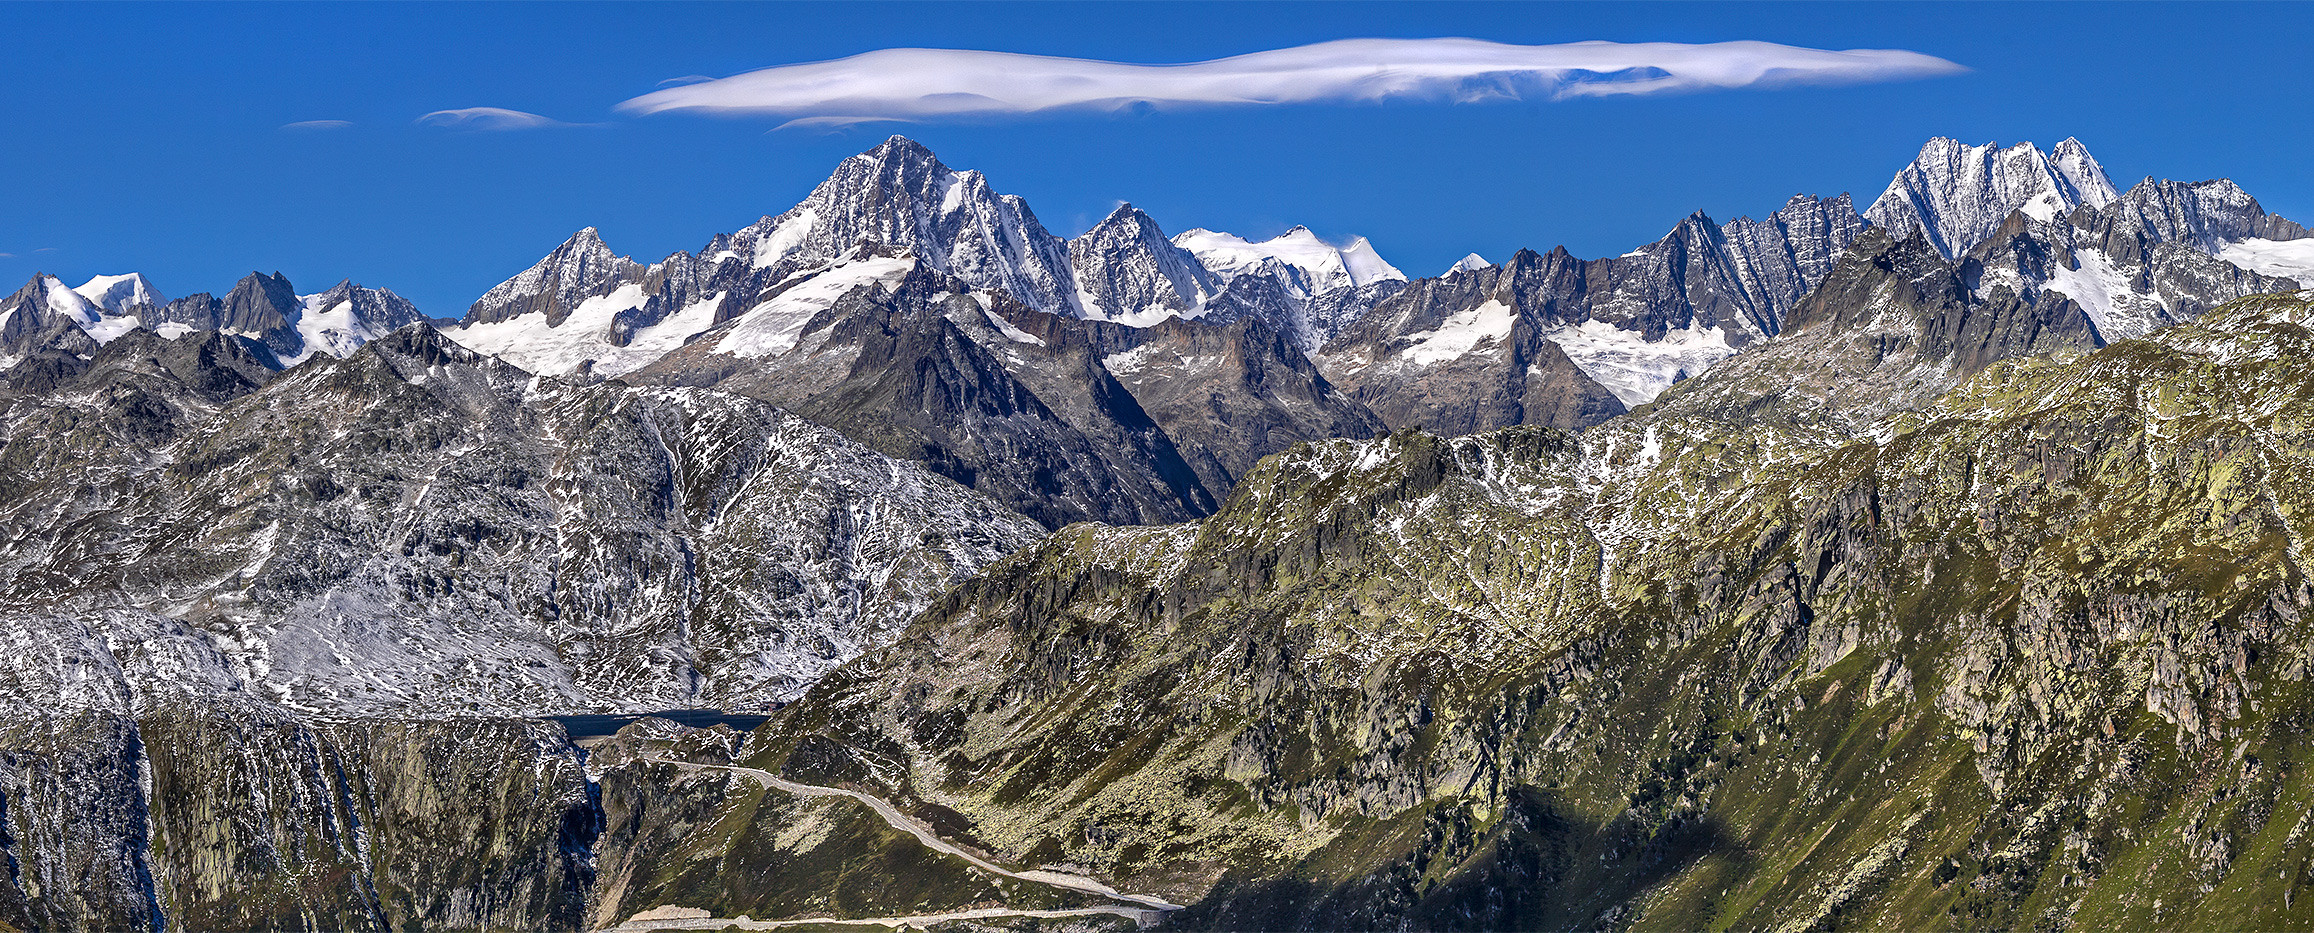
1551 339
269 633
267 308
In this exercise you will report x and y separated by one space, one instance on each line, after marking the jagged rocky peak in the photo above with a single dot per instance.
1785 254
345 317
119 293
259 303
899 193
581 267
1956 195
1128 271
30 318
2206 215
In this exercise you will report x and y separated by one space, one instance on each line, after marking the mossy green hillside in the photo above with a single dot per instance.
2033 655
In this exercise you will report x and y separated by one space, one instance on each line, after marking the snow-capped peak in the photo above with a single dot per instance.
1325 266
1128 271
118 293
581 267
1956 194
65 302
1468 263
900 194
342 319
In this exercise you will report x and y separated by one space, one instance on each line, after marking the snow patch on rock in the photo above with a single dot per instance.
1461 333
1634 368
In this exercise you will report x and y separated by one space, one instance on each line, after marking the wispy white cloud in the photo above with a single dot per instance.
492 118
303 125
926 84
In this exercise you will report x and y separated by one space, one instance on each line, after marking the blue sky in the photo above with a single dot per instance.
150 137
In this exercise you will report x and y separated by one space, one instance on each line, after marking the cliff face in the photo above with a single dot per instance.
2034 655
246 819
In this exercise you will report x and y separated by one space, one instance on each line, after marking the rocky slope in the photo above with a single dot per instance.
1889 586
2032 655
2040 228
1059 418
419 529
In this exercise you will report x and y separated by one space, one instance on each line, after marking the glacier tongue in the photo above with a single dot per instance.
2288 259
1633 367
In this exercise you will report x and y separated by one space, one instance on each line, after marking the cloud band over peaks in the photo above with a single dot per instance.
926 84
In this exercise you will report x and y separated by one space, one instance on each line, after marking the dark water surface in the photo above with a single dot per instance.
598 725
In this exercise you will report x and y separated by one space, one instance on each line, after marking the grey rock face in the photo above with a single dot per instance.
1956 195
293 327
1780 257
923 372
1131 271
2141 262
259 305
793 310
580 268
135 795
899 194
1891 327
416 529
1619 329
30 319
1227 395
1401 360
1529 680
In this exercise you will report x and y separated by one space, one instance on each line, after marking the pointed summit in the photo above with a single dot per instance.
30 318
1468 263
118 293
1957 195
582 266
898 148
900 194
1126 270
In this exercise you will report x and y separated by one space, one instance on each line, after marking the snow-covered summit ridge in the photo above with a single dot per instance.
119 293
1957 194
1468 263
1325 265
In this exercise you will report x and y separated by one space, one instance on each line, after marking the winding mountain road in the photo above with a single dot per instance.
1145 909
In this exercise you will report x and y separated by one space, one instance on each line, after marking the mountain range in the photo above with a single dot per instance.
1728 582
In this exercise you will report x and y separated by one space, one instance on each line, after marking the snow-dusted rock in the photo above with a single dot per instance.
1956 195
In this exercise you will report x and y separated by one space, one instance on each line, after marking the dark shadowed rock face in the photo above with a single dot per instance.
926 373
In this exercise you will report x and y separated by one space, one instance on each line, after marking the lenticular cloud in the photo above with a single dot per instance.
926 84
